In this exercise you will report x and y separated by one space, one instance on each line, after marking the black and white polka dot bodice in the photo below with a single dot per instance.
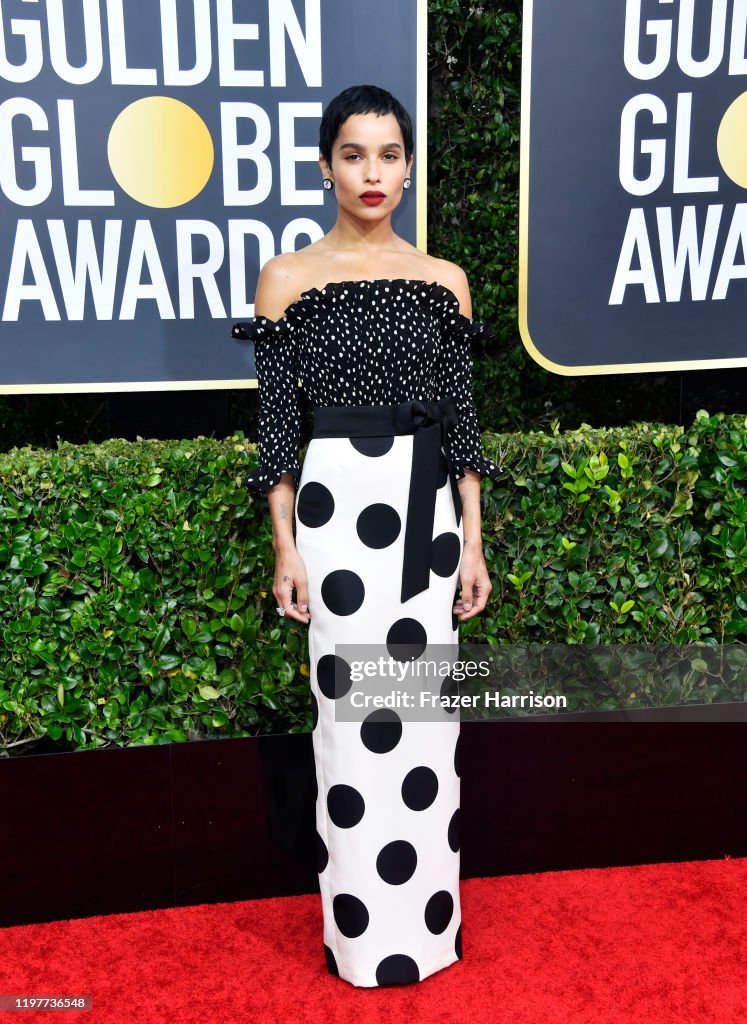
377 342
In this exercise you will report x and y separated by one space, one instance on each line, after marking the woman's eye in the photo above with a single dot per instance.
386 156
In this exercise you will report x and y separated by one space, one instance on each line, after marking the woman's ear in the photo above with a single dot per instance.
409 165
325 168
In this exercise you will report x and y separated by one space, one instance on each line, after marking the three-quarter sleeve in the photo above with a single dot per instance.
454 377
276 364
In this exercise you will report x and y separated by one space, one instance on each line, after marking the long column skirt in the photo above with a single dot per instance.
387 804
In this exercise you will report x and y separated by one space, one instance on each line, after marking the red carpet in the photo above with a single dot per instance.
652 944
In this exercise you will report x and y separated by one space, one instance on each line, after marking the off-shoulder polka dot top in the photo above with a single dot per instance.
377 342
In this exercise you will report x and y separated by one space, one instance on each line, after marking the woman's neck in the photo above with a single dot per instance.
349 233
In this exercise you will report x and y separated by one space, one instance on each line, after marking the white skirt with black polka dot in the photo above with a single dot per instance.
388 785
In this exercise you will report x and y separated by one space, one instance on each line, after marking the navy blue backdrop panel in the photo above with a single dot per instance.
634 185
153 157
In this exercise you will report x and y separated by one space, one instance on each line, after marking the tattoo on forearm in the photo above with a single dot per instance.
283 511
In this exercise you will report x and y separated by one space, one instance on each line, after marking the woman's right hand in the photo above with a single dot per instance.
290 573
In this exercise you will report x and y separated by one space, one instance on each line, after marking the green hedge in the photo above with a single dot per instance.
136 597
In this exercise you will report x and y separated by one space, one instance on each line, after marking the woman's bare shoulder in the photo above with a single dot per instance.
281 281
451 276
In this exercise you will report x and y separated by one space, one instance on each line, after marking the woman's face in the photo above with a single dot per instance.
368 165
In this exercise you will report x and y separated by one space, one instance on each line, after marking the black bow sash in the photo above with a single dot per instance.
428 422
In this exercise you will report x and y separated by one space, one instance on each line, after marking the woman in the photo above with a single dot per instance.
388 521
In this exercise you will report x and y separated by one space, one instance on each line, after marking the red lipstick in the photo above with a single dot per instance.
372 198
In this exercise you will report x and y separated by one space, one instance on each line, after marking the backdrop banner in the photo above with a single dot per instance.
152 157
633 247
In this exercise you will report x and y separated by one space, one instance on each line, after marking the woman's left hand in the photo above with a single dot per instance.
475 584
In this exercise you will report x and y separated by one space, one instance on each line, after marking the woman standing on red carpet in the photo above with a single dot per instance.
387 525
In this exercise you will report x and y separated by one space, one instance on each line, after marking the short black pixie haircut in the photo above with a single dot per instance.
361 99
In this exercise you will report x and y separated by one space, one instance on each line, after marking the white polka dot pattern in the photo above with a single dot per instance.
376 342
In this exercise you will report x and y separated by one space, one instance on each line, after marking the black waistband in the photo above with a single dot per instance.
429 422
381 420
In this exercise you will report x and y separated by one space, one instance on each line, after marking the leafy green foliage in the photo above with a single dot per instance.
136 597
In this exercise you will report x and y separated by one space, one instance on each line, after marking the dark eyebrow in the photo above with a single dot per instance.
357 145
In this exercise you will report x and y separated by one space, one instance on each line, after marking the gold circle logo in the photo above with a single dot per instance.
732 141
160 152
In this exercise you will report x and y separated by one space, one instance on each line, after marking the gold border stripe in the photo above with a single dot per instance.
130 385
